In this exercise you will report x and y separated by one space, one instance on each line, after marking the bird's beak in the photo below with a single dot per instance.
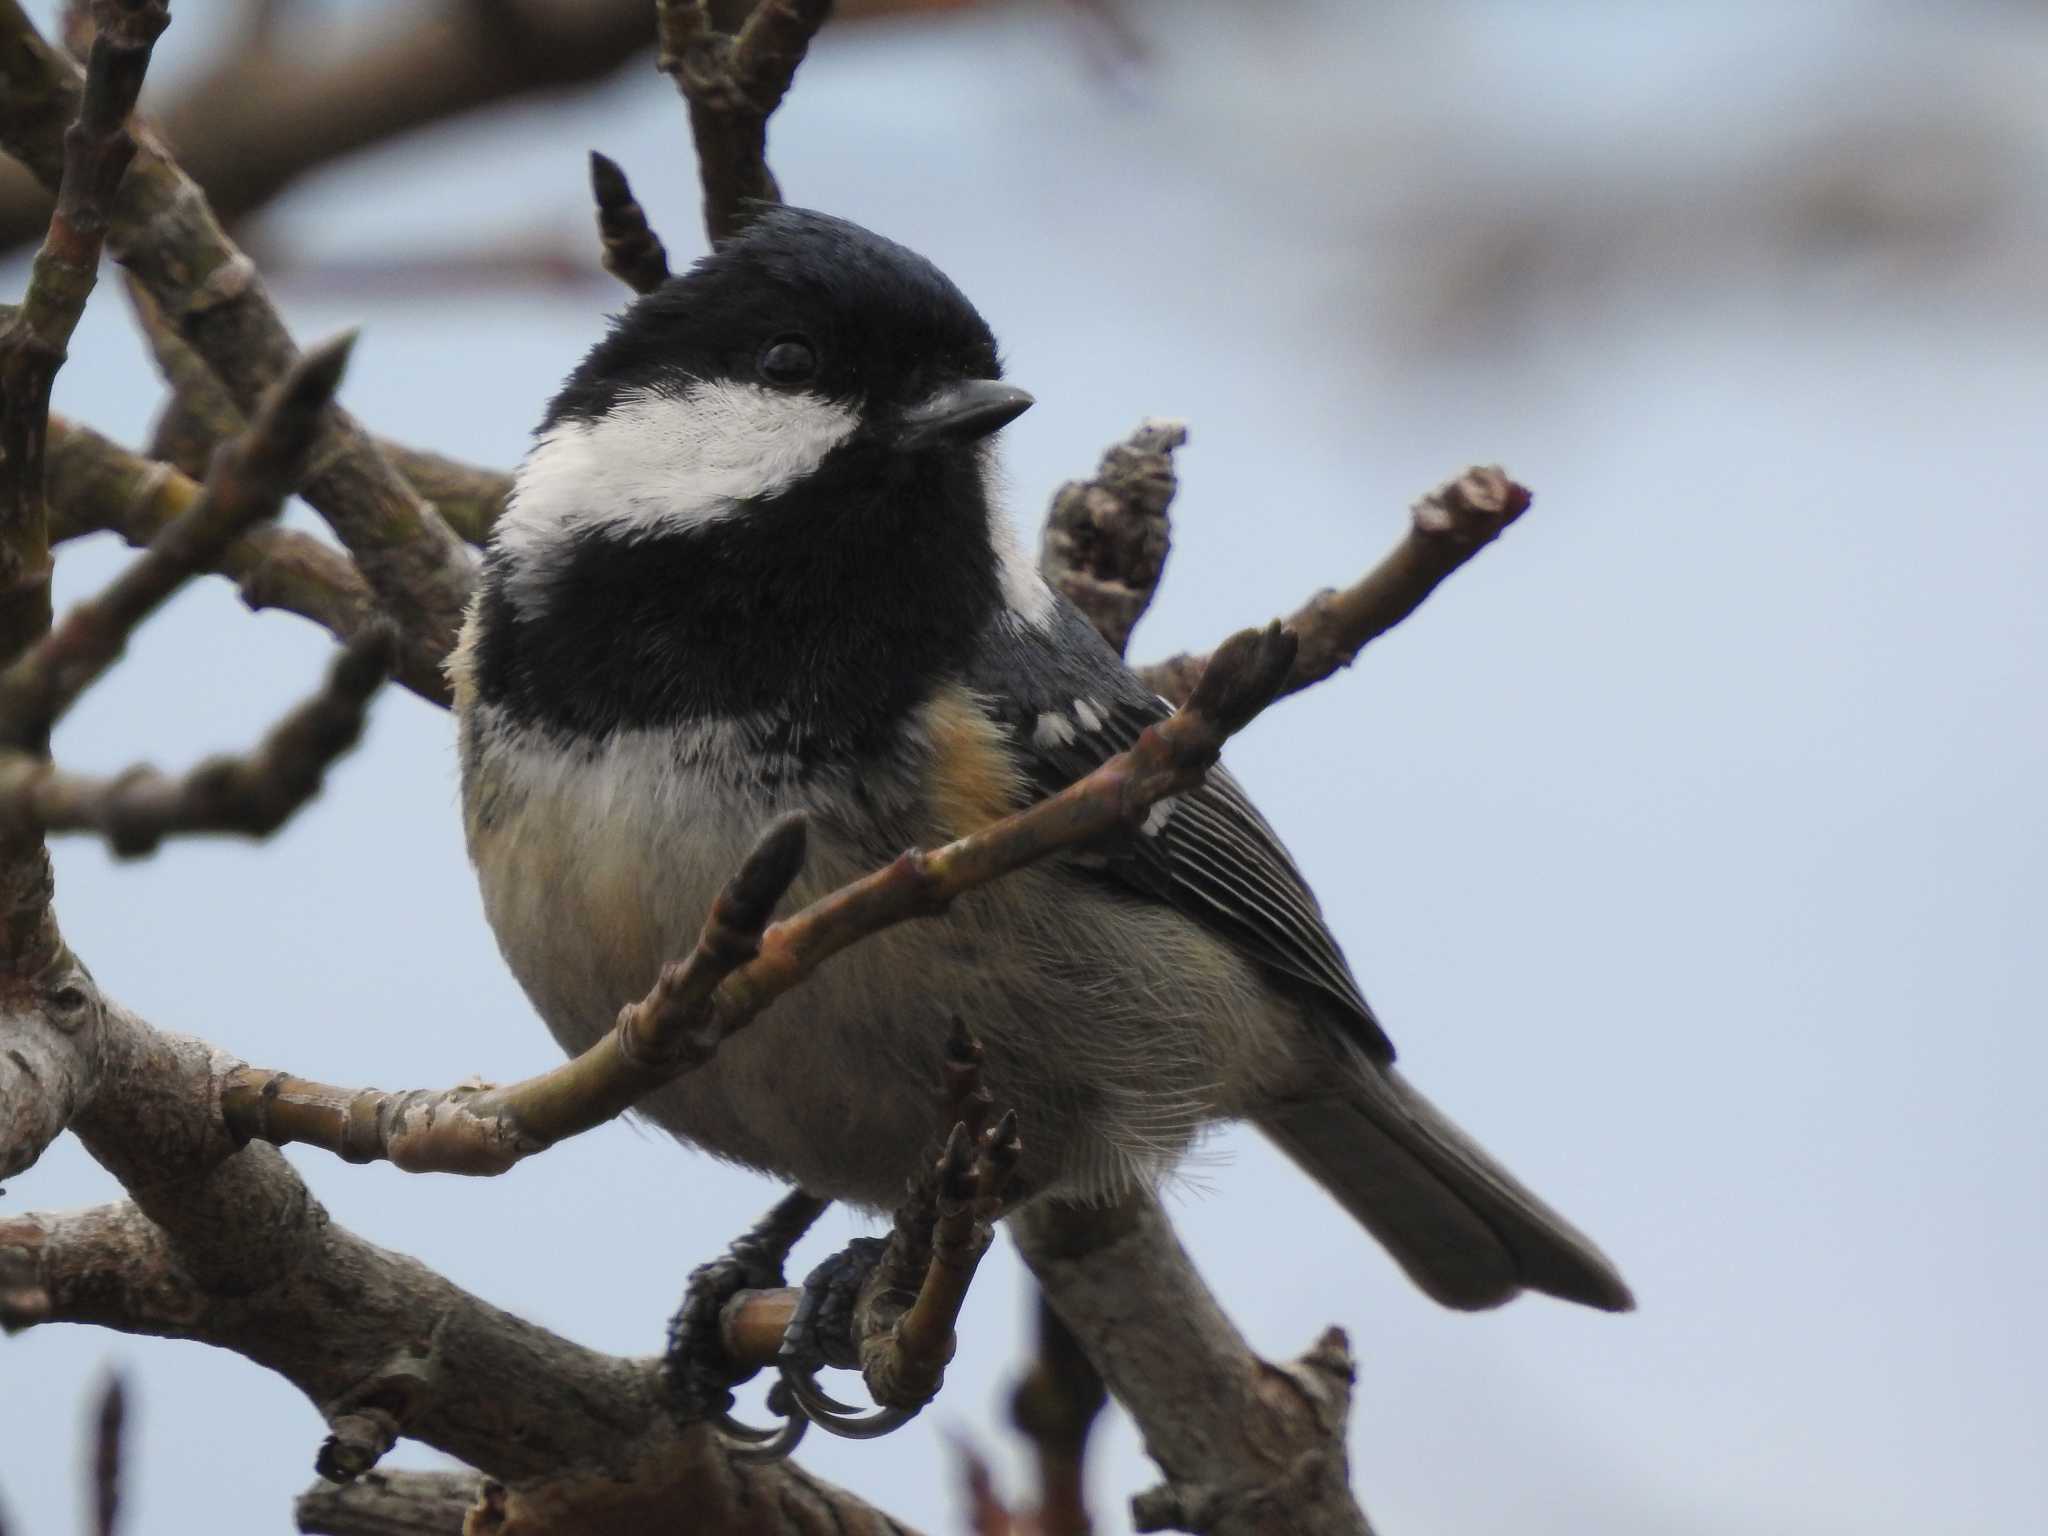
961 412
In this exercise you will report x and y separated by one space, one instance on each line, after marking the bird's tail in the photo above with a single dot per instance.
1455 1220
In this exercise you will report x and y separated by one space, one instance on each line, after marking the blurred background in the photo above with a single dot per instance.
1691 842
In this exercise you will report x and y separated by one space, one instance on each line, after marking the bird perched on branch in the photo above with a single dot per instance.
755 563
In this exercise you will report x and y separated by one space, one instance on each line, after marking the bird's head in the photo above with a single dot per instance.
808 359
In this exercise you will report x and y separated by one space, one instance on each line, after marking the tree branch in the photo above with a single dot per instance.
265 115
96 485
1248 1448
248 483
201 415
230 1248
738 968
251 795
733 82
391 1504
633 252
163 231
1446 528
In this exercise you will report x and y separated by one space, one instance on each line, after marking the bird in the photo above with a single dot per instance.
757 562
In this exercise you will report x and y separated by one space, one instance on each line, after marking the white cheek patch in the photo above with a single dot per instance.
658 463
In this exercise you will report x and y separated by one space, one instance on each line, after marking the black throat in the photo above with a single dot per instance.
820 617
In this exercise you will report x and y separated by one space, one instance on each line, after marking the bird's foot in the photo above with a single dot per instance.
887 1307
698 1371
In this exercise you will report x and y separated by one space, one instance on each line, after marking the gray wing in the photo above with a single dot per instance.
1069 703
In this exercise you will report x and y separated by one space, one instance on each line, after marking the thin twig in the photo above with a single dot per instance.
1056 1406
633 252
107 1446
201 415
163 231
248 482
733 83
97 486
1447 527
97 151
250 795
706 998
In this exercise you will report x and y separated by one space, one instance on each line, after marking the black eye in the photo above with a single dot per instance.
788 360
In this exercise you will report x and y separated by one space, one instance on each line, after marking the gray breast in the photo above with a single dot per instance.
1115 1027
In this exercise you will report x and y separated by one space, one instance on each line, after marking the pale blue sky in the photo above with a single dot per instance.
1690 843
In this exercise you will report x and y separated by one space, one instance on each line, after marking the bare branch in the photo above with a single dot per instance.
733 83
234 1251
1448 527
248 483
718 990
98 486
633 252
1248 1448
1056 1406
263 116
1106 539
106 1456
251 795
95 153
164 232
201 415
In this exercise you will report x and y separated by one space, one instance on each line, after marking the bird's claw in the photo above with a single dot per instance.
822 1333
698 1372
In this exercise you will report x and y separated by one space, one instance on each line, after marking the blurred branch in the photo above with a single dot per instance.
282 103
107 1443
1446 528
1056 1406
739 967
89 158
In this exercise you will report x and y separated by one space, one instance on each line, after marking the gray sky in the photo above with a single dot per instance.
1690 843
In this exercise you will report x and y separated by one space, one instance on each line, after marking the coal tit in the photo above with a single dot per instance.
754 562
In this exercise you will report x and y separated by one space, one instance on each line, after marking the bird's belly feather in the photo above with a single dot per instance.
1115 1027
